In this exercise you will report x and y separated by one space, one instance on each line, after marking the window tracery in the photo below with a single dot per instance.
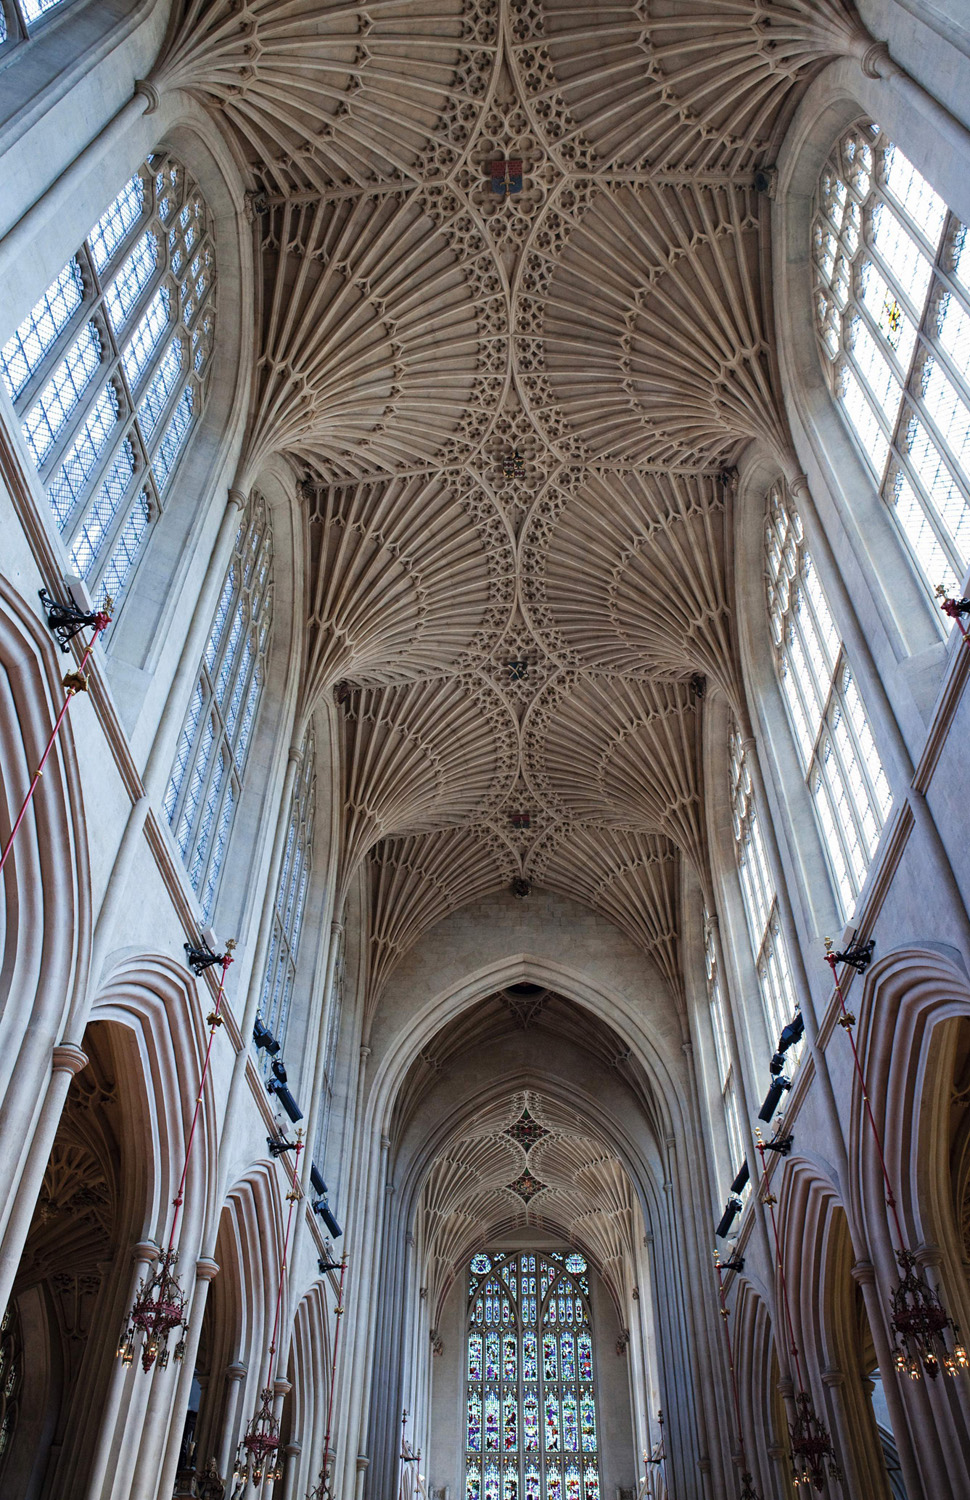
892 307
108 371
722 1049
531 1429
18 18
210 758
838 754
758 893
290 902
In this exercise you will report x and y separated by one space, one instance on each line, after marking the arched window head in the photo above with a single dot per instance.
759 894
290 902
892 302
204 787
531 1431
835 744
108 371
19 18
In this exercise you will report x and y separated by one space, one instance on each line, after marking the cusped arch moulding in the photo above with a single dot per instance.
382 333
408 576
330 95
624 572
655 84
640 337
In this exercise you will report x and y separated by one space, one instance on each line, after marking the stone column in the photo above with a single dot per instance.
66 1061
235 1375
206 1270
122 1391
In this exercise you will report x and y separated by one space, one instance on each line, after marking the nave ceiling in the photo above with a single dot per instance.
514 417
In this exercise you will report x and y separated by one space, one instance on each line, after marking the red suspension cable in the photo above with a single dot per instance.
294 1196
73 683
338 1314
214 1021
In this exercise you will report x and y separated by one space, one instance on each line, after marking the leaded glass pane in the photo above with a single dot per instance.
34 9
758 893
849 788
125 376
893 321
203 789
24 351
530 1401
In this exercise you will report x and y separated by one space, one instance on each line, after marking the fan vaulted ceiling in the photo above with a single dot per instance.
513 414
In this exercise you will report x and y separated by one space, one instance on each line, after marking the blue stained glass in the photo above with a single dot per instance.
24 351
510 1485
587 1416
575 1264
510 1423
531 1485
552 1423
115 224
474 1423
491 1356
491 1421
481 1264
140 351
530 1362
3 27
509 1360
549 1363
567 1357
572 1491
592 1481
490 1485
570 1425
473 1483
104 508
585 1357
125 291
553 1486
530 1422
70 479
60 396
475 1357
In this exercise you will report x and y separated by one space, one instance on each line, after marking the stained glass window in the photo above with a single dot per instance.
892 301
204 786
108 371
758 894
290 903
835 743
531 1429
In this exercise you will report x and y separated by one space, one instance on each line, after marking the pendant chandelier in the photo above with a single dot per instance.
813 1459
159 1307
259 1457
926 1338
748 1491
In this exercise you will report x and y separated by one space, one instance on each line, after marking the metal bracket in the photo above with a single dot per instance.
199 956
277 1147
65 621
857 955
782 1144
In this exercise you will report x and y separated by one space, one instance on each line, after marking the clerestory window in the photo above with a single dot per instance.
108 371
842 767
722 1048
758 893
18 18
531 1431
290 902
203 790
892 305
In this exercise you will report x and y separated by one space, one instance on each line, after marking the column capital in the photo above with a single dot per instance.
149 92
238 499
145 1250
282 1386
206 1269
236 1371
67 1058
363 1462
295 755
864 1273
798 484
833 1378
